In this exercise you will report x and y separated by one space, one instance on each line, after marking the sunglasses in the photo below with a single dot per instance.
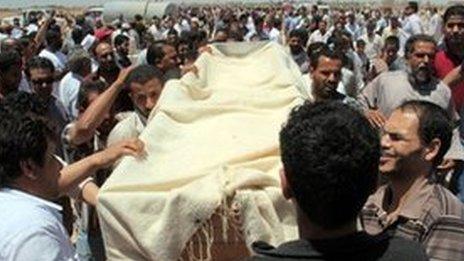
41 82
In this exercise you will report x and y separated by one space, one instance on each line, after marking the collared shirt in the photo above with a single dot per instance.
444 63
68 91
129 127
430 215
317 36
390 89
413 25
31 228
58 59
307 93
373 45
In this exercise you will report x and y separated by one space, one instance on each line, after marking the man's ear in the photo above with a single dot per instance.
286 191
432 149
28 169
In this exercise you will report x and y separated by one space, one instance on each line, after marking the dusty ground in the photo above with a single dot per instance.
12 12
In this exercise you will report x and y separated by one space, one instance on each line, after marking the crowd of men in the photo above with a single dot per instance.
76 92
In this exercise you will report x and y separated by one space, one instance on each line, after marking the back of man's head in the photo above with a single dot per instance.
24 138
330 155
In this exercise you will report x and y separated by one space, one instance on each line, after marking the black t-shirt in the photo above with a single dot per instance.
358 246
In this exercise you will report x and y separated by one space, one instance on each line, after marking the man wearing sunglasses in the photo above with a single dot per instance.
40 73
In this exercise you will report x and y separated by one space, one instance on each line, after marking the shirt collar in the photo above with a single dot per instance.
414 205
31 197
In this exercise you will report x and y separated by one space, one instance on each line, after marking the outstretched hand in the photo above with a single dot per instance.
132 147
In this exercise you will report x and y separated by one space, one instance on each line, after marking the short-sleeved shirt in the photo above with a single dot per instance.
58 59
31 228
431 215
391 89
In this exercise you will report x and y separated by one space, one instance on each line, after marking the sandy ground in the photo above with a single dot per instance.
12 12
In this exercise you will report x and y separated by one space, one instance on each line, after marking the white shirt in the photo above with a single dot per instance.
373 45
316 36
68 91
274 35
24 84
58 59
130 127
31 229
413 25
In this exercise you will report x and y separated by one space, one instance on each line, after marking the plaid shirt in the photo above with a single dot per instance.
430 215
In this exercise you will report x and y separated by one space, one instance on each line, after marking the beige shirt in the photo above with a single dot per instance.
391 89
129 127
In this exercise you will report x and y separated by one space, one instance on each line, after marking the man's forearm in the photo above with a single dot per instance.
94 115
72 175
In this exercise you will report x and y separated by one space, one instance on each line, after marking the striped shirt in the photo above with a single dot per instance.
431 215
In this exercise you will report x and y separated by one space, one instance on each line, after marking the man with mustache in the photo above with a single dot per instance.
415 138
448 60
390 89
324 77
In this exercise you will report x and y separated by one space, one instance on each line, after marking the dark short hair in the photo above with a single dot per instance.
409 46
9 59
434 123
38 62
315 56
24 102
142 74
24 136
413 5
155 53
452 11
120 39
52 35
87 87
392 40
360 42
330 155
302 34
316 47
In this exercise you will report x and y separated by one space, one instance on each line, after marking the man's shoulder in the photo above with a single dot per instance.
404 249
128 127
293 250
445 207
358 246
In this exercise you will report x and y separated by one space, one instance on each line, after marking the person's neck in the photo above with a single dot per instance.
26 188
401 189
311 231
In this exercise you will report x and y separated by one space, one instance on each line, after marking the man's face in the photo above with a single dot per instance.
42 82
294 43
421 61
10 79
49 173
171 39
322 26
105 56
123 48
145 96
391 52
401 145
326 77
454 34
170 59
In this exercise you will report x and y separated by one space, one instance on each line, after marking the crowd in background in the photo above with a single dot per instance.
97 81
